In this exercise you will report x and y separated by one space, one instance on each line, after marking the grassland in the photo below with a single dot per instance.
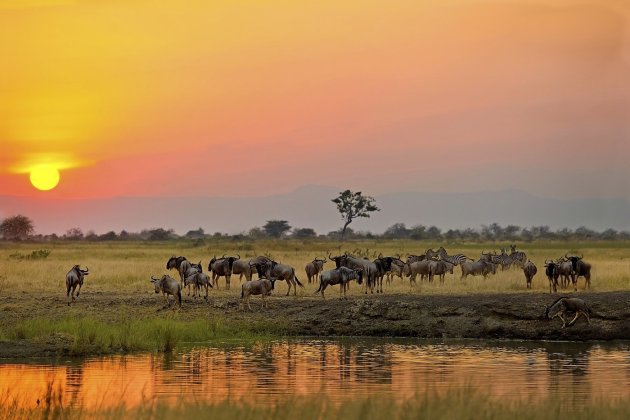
118 310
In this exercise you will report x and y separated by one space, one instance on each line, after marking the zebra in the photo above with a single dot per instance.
503 259
430 253
519 257
456 259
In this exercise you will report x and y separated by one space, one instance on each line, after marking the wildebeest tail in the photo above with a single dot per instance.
242 291
320 286
297 280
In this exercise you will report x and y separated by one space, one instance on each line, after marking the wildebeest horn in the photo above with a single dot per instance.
566 256
223 256
380 255
239 256
154 279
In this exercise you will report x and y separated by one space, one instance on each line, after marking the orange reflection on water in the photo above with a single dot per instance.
271 372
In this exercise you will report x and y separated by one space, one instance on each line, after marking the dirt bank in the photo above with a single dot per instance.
509 316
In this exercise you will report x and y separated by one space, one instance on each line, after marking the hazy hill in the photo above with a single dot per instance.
310 206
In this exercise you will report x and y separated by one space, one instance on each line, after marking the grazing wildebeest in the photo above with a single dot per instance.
440 268
477 268
551 271
75 278
418 267
275 270
168 286
563 305
222 267
530 270
370 269
314 268
341 276
256 287
199 280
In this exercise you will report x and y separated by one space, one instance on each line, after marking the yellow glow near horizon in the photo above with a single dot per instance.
45 177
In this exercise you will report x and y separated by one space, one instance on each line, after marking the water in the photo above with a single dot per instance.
268 372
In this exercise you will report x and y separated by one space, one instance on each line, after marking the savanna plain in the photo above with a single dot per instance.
119 313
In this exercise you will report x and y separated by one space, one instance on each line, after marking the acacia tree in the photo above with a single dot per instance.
276 228
352 205
16 227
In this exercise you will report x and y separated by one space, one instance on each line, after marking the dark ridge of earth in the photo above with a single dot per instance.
479 316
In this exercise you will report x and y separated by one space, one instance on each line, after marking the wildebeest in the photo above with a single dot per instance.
563 305
565 272
370 269
168 286
341 276
578 270
189 269
418 267
75 278
439 268
256 287
275 270
180 264
551 271
381 266
530 270
477 268
222 267
199 280
399 268
314 268
246 267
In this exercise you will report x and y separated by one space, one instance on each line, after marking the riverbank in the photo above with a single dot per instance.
101 323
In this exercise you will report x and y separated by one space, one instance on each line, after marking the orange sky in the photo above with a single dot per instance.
163 98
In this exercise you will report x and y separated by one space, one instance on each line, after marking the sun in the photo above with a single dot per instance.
45 177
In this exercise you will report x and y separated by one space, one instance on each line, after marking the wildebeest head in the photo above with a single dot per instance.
359 276
338 259
156 283
230 261
553 309
574 260
551 268
174 262
212 261
81 273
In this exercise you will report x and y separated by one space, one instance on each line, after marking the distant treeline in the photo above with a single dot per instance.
281 229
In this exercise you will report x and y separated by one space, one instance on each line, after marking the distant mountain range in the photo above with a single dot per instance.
310 206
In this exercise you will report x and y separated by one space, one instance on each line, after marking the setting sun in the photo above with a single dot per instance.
44 177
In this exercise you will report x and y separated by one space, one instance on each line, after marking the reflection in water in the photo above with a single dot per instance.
267 372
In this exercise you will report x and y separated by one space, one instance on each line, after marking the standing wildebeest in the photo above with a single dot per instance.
199 280
256 287
314 268
340 276
398 268
75 278
565 272
181 264
551 271
272 269
246 267
440 268
222 267
477 268
418 267
562 305
381 265
530 270
583 269
168 286
370 270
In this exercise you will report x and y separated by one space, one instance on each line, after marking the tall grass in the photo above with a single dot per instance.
461 404
83 336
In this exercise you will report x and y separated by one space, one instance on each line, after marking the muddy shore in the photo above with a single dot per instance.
480 316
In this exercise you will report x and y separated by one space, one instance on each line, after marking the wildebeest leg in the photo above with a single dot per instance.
577 314
264 302
227 282
324 285
564 321
168 304
68 290
248 305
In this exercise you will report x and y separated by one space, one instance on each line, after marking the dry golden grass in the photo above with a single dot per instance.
127 266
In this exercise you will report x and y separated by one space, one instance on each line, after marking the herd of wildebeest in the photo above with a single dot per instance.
348 267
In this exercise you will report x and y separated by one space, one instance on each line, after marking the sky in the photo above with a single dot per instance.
248 98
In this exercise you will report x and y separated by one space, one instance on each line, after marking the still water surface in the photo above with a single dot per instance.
264 373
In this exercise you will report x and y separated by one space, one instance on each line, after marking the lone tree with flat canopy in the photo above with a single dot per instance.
352 205
16 228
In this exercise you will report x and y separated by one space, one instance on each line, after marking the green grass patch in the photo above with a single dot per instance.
88 336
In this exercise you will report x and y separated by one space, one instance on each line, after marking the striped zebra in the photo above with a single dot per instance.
519 257
503 259
456 259
430 254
